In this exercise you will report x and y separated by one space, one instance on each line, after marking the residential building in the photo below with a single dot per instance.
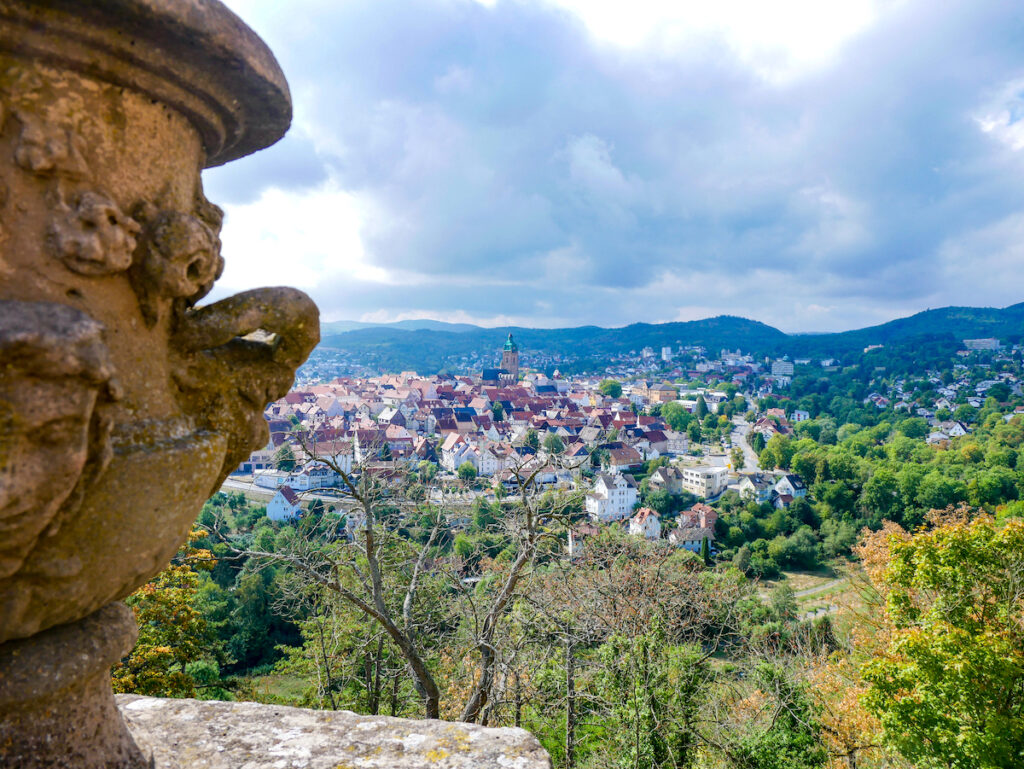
284 506
692 539
313 475
668 479
757 487
613 497
782 368
982 344
791 485
646 523
705 481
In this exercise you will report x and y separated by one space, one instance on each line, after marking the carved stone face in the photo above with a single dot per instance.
94 237
43 452
53 369
187 255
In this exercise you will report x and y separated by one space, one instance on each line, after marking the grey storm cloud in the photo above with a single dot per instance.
569 181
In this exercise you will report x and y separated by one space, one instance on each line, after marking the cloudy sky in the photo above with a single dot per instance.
814 164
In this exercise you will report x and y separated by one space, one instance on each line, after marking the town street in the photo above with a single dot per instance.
739 438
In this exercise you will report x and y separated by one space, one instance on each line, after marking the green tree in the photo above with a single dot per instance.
915 427
965 413
791 737
173 634
756 441
948 688
880 495
553 444
284 458
737 457
705 552
675 415
611 388
654 691
497 411
466 472
532 439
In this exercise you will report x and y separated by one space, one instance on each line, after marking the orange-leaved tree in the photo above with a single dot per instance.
174 637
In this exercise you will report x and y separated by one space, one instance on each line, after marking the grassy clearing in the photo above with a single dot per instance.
279 688
799 580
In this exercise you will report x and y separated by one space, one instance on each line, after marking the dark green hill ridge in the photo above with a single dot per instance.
409 346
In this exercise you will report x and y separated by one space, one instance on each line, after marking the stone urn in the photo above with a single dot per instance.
123 402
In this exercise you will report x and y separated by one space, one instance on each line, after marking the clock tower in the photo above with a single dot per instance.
510 358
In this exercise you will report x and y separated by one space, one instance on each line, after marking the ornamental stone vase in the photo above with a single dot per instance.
123 403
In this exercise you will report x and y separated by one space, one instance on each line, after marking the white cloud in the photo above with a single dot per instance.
592 169
838 222
985 264
299 239
1003 115
815 165
779 40
458 316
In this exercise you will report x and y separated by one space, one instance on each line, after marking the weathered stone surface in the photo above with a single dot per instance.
55 701
193 734
123 402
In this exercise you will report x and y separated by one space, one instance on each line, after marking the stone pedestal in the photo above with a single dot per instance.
123 402
56 706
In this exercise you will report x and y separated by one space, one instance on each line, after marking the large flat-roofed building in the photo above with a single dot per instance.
705 481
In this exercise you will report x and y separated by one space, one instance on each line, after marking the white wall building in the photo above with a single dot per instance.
284 506
782 368
613 497
270 478
705 481
646 523
314 475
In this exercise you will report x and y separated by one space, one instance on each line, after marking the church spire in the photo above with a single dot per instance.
510 359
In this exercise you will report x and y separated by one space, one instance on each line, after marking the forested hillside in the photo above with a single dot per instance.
427 350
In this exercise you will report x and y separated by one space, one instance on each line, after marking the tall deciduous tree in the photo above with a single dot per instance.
611 388
949 690
284 458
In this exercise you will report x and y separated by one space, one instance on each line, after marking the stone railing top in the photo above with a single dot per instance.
194 55
245 735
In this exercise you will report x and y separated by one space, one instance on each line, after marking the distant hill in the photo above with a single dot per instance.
429 350
330 328
428 346
956 322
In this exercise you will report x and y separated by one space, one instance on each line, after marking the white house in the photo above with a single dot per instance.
313 475
261 459
613 497
284 506
757 488
454 451
705 481
646 523
270 478
691 539
791 485
953 428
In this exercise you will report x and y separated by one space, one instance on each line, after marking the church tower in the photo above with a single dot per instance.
510 358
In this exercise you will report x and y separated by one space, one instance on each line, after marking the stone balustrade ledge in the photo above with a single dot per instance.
197 734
